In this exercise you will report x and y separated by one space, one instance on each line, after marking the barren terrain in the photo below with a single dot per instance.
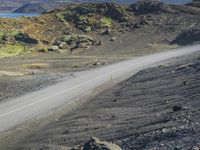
158 108
28 73
44 55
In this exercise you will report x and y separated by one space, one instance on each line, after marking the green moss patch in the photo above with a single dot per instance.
105 22
11 50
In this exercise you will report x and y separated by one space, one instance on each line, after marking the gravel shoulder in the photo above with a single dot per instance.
158 108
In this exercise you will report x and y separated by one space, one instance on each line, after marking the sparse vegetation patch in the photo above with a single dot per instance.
12 50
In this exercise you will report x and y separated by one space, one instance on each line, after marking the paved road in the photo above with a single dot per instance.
16 111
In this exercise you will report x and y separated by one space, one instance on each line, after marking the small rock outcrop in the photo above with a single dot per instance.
114 11
74 41
149 6
53 48
8 38
96 144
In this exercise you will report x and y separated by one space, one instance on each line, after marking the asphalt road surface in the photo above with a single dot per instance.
14 112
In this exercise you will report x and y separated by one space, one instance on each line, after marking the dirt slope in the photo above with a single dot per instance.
158 108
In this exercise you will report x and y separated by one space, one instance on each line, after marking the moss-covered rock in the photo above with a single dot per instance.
7 36
71 38
94 16
75 41
62 45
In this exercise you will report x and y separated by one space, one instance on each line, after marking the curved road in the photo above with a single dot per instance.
27 107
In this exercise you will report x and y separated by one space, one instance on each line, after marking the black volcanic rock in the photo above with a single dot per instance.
188 37
149 6
24 37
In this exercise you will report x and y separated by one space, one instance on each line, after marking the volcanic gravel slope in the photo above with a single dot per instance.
158 108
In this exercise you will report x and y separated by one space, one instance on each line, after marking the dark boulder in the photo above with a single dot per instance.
177 108
25 38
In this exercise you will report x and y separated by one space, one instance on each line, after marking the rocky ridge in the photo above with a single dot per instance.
77 28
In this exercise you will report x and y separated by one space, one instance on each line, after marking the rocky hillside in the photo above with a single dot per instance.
81 27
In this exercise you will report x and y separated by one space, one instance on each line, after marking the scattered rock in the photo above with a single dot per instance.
62 45
107 31
87 29
137 25
67 38
182 67
164 130
177 108
82 45
53 48
75 41
42 50
142 22
100 42
96 64
113 39
184 82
